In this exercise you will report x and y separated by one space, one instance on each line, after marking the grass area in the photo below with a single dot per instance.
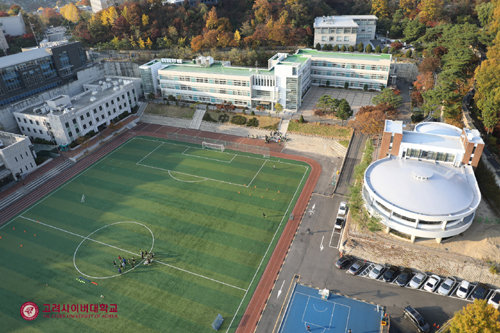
202 213
265 122
344 143
173 111
325 130
489 188
356 204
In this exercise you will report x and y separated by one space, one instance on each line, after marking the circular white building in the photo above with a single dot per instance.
421 186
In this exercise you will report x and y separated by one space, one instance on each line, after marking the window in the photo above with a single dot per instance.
74 121
88 115
36 121
100 107
107 104
22 127
84 126
95 111
81 117
25 121
70 134
90 123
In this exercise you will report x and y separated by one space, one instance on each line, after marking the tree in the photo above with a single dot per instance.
149 43
408 54
120 27
262 10
351 48
380 8
145 20
108 16
424 82
478 317
318 46
429 64
327 104
14 10
378 49
141 43
278 107
237 37
360 47
344 110
485 13
197 43
413 30
212 20
368 48
70 12
51 17
385 49
408 6
430 11
343 48
370 119
388 96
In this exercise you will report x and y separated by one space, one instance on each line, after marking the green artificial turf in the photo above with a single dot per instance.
202 208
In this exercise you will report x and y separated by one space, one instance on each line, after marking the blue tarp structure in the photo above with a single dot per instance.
217 322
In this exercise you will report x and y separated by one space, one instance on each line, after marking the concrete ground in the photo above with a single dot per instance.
356 98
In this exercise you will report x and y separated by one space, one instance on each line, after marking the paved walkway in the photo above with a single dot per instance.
284 126
197 118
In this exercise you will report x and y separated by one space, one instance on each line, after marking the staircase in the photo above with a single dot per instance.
338 148
197 118
34 184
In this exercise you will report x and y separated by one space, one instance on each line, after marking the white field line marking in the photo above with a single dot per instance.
268 247
341 233
65 184
188 174
321 247
146 156
331 237
252 157
206 158
134 253
185 181
281 289
256 174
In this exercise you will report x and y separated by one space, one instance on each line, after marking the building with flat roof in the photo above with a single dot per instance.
347 30
285 81
39 69
13 25
63 119
16 156
423 184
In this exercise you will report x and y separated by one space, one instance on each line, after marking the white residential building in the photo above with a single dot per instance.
63 118
3 43
98 5
13 25
16 156
344 30
286 79
424 185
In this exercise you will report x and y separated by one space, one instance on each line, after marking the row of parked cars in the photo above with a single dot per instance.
419 280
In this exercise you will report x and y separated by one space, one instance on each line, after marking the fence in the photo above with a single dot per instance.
260 150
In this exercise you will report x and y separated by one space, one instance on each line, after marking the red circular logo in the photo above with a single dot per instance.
29 311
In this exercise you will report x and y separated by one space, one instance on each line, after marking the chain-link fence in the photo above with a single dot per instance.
260 150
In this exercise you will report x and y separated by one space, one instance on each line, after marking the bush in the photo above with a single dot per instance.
208 117
493 269
318 46
417 117
351 48
223 118
365 87
327 83
327 47
368 48
385 50
254 122
360 47
301 119
336 48
346 85
378 49
239 120
252 113
408 54
171 98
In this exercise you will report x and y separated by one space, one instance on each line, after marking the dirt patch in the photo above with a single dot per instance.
465 256
265 122
324 130
169 111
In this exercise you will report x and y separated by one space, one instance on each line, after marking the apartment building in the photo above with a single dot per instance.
13 25
16 156
423 184
63 119
347 30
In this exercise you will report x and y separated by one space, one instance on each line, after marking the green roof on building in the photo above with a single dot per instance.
344 55
296 58
217 68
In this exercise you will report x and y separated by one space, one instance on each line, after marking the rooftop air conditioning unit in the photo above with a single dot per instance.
94 92
93 99
108 79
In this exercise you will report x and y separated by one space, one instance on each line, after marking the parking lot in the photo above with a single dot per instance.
355 98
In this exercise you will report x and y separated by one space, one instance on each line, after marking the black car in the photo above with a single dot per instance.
343 262
480 291
416 319
390 273
404 277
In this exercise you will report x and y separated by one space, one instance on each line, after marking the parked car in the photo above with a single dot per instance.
342 209
463 289
446 287
495 299
404 277
339 222
480 291
416 318
356 267
344 262
390 273
432 283
376 271
418 280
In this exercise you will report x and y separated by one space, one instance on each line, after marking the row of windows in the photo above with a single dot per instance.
354 75
336 30
430 155
352 84
21 155
34 130
214 100
238 83
28 93
206 89
350 66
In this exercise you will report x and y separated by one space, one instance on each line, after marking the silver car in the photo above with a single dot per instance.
376 271
418 280
446 287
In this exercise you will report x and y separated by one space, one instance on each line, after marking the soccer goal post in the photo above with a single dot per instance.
214 146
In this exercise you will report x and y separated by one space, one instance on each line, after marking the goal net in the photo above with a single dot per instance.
214 146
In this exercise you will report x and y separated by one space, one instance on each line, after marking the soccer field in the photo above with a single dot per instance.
212 219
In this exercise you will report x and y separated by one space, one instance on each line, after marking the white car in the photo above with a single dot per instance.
342 209
446 286
463 289
432 283
376 271
495 299
417 280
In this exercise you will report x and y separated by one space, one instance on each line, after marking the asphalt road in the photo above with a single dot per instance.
315 250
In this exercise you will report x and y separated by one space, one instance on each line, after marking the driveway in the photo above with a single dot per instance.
355 98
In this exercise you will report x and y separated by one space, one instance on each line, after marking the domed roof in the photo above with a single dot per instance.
438 129
426 188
